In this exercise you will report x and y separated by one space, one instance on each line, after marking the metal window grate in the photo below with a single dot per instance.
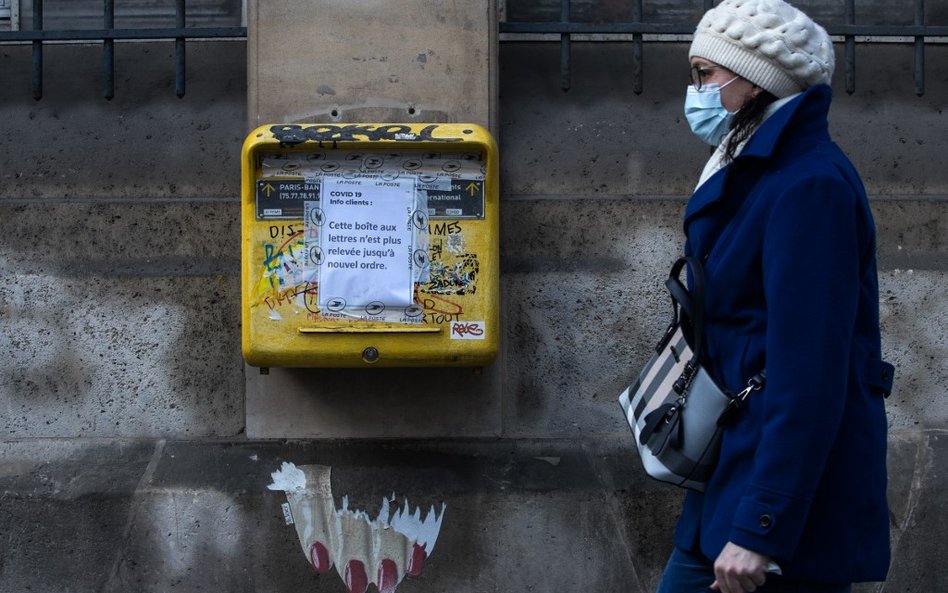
108 34
565 28
636 29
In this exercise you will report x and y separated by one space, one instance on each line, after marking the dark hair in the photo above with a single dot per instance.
746 121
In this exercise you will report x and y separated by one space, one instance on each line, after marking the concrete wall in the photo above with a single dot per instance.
361 61
419 61
124 460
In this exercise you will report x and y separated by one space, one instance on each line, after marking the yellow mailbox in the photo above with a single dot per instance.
370 244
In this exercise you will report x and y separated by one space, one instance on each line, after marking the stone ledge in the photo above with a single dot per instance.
155 515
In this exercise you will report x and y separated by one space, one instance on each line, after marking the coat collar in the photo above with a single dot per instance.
806 112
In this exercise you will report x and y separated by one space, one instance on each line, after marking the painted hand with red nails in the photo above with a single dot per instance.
380 551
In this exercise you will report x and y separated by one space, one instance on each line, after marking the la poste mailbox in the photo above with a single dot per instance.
370 244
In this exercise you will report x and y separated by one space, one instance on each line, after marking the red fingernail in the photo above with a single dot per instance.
388 576
417 561
357 581
319 557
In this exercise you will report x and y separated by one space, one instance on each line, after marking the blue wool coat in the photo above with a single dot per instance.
788 242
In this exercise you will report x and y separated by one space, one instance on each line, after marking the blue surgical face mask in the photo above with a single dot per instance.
708 118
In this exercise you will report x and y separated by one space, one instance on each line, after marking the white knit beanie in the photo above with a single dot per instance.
768 42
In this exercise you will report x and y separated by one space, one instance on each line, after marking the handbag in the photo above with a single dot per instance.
675 409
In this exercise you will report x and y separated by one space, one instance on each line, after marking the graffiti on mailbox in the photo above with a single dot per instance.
459 278
293 254
285 284
295 134
453 270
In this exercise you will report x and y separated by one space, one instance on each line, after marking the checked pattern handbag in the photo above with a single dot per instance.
675 409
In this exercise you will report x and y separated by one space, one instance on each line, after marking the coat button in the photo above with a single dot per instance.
766 521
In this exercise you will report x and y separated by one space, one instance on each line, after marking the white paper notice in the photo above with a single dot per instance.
366 242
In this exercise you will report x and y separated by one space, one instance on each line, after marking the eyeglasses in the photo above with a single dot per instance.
699 73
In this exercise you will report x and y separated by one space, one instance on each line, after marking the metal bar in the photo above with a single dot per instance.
657 29
108 53
179 54
637 61
920 49
15 15
38 51
136 34
593 28
528 28
565 49
850 48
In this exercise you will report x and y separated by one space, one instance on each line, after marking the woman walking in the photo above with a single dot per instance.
781 222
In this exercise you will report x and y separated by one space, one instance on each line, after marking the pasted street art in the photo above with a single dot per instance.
365 551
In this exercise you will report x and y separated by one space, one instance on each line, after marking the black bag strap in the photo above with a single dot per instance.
691 304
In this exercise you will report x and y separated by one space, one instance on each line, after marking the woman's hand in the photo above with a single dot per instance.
739 570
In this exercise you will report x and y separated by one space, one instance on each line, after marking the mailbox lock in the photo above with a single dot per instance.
370 354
